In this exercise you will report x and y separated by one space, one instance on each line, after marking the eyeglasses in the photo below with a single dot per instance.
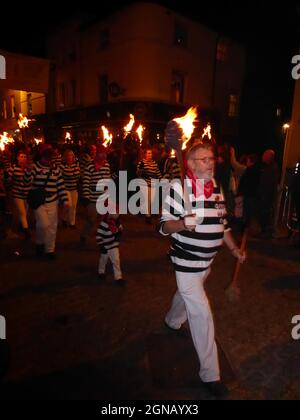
207 160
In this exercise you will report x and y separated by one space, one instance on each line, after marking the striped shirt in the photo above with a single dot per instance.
91 178
18 187
84 160
194 252
56 160
106 239
148 170
55 187
71 176
171 169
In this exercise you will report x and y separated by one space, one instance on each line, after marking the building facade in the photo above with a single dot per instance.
146 60
24 89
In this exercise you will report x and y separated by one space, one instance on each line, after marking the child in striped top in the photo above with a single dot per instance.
108 240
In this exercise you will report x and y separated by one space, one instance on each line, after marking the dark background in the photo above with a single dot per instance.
268 31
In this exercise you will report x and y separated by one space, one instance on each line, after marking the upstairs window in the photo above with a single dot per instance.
177 87
233 110
180 36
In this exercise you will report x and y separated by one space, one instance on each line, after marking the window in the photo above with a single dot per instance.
103 88
4 113
62 95
13 106
177 87
233 110
29 103
221 51
180 36
73 92
104 39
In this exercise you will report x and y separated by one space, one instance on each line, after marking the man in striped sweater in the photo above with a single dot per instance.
148 170
44 175
197 235
19 190
96 171
71 174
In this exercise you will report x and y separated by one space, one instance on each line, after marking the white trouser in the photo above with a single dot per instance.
21 208
190 302
69 214
114 256
46 225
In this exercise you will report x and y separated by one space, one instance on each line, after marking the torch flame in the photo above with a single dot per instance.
173 154
186 123
107 137
207 132
23 121
38 141
129 126
68 136
139 132
4 140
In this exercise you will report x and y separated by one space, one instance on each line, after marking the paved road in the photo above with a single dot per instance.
73 338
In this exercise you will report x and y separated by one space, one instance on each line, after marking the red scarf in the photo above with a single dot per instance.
197 186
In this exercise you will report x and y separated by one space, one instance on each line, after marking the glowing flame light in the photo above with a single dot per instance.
207 132
23 121
107 137
68 136
38 141
129 126
173 154
186 124
4 140
139 132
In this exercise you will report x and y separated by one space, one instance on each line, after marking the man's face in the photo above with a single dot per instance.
202 163
22 159
149 155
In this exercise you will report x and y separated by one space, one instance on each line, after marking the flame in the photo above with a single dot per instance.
173 154
139 132
68 136
107 137
38 141
186 123
4 140
129 126
23 121
207 132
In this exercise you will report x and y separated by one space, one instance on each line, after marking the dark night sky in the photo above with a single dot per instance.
270 33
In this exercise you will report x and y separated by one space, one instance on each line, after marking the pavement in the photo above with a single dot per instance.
71 337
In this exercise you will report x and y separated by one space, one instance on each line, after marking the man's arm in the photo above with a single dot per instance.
175 226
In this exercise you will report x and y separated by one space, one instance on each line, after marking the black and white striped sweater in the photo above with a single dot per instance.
55 187
194 252
106 238
148 170
17 185
71 176
91 178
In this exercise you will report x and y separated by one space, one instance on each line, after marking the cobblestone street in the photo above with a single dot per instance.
73 338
